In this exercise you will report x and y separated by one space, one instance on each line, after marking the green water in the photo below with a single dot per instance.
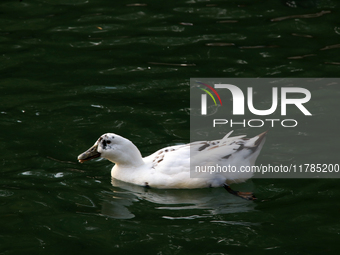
73 70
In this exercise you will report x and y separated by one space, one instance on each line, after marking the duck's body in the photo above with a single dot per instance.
169 168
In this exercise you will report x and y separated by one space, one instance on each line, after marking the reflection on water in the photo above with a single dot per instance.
115 204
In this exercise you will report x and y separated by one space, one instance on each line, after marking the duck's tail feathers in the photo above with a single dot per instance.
229 140
260 138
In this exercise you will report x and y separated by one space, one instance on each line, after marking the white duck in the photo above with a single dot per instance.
169 168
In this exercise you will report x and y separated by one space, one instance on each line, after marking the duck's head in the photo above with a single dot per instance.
114 148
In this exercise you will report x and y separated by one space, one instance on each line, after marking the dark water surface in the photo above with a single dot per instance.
73 70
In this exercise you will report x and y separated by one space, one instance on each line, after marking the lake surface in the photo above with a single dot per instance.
73 70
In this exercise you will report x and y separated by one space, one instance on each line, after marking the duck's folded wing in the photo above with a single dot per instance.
229 150
236 151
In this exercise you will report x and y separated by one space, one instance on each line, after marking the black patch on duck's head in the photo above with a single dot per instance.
105 141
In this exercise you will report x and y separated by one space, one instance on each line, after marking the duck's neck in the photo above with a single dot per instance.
130 157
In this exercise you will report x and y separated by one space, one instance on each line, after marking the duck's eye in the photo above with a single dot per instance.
108 142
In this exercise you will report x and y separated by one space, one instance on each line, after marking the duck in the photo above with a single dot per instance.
201 164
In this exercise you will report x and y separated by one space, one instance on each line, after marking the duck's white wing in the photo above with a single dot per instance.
187 150
170 158
174 161
227 151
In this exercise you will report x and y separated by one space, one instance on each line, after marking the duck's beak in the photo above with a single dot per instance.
89 154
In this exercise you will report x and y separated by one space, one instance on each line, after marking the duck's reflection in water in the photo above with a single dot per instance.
118 202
